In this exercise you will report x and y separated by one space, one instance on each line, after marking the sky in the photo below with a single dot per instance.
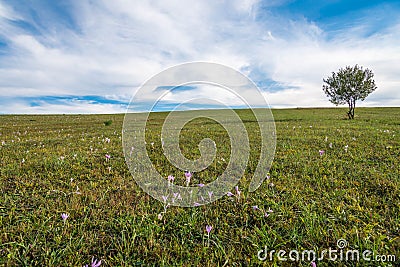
85 56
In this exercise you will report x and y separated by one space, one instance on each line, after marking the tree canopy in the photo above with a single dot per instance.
349 85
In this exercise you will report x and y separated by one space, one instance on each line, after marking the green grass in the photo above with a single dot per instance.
316 200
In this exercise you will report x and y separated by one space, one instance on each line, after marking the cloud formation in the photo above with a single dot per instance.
108 49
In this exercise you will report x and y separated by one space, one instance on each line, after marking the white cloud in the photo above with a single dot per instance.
120 44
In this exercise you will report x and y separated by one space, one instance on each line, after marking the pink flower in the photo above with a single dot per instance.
171 178
208 229
237 191
201 185
313 264
94 263
188 175
229 194
321 152
107 157
255 207
64 216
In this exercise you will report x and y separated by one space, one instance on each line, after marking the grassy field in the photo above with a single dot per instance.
57 164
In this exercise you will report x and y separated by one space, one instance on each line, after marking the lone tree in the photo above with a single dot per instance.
349 85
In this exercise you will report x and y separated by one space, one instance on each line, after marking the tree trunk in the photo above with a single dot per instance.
352 106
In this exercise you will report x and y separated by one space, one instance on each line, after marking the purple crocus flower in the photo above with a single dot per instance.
188 175
255 207
321 152
210 193
313 264
237 191
171 178
164 198
201 185
94 263
108 157
208 229
64 216
229 194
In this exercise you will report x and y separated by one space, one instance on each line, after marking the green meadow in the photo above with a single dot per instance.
331 179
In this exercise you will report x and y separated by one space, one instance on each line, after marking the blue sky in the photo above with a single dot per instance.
91 56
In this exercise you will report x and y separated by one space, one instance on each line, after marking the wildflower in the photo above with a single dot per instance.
321 152
267 177
94 263
107 157
23 161
346 147
62 158
326 138
171 178
266 214
77 191
196 204
269 210
159 216
255 207
188 176
107 140
330 145
271 184
237 191
208 230
229 194
3 143
164 198
200 185
210 193
64 216
313 264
